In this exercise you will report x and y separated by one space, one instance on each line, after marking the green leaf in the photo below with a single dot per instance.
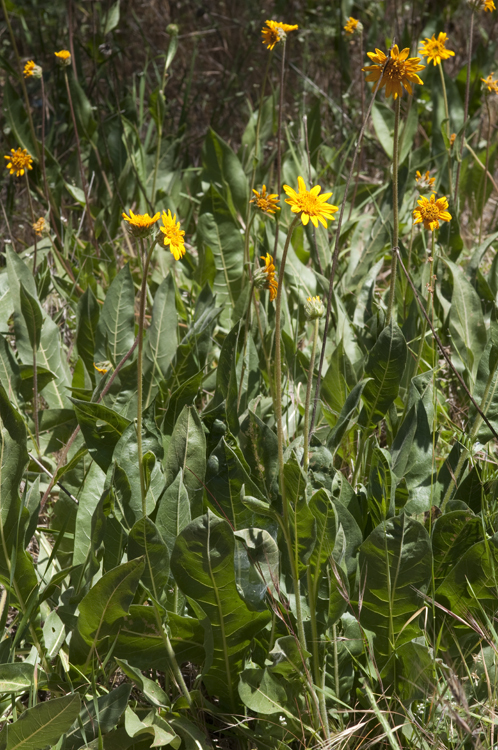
152 691
222 166
381 487
146 542
187 451
116 326
98 717
15 114
454 533
203 566
383 122
102 609
33 316
102 428
256 564
16 677
43 724
397 559
86 333
112 18
259 446
346 418
161 342
303 523
173 511
263 692
385 367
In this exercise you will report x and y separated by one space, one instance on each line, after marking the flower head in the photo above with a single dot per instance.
353 27
41 226
395 70
489 5
18 161
314 308
482 5
435 49
63 57
490 83
431 212
140 225
102 367
425 181
265 277
452 139
31 70
276 32
173 235
266 202
310 204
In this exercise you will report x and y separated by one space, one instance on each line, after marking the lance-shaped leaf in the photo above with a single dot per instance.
98 717
203 565
396 561
187 451
86 334
161 342
145 540
116 326
102 428
385 368
16 677
43 724
33 316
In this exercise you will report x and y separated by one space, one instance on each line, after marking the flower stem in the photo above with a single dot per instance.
428 309
466 106
447 113
140 337
485 170
392 289
279 145
308 394
35 373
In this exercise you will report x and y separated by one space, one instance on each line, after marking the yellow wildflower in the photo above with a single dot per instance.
18 161
40 226
266 202
173 235
395 70
63 57
489 5
276 32
491 83
31 70
314 308
102 367
270 282
353 27
310 204
425 181
435 49
431 212
140 225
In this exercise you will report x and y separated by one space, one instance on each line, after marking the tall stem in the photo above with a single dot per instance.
447 113
486 169
392 289
80 163
428 309
358 171
35 373
466 107
279 145
308 395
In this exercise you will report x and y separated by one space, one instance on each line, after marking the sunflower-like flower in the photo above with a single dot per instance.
40 226
310 204
276 32
140 225
102 367
353 27
490 83
435 49
314 308
489 5
173 235
431 212
32 70
266 202
425 181
265 277
63 57
18 161
395 70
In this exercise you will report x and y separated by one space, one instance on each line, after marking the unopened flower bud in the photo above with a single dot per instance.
314 308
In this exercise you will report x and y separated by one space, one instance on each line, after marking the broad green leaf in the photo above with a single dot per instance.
146 542
153 725
396 559
385 367
112 18
116 326
102 428
486 392
381 487
98 717
411 454
187 451
347 417
16 677
383 122
15 113
152 691
43 724
222 166
338 380
259 446
256 564
33 316
88 318
302 520
454 533
203 566
173 511
263 692
161 341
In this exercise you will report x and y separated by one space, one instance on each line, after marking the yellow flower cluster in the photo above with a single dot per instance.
394 71
270 282
276 32
266 202
140 226
18 161
435 49
490 83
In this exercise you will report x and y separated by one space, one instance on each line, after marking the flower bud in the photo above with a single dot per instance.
314 308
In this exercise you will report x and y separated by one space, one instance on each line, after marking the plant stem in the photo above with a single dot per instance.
308 395
172 657
279 145
466 106
429 302
82 173
358 171
392 288
317 673
140 337
447 113
485 170
159 129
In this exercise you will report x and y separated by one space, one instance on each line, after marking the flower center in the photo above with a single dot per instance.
309 204
431 212
395 69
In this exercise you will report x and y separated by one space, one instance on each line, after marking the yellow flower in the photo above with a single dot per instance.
32 70
40 226
276 32
425 181
140 225
431 212
489 5
482 5
63 57
266 202
173 235
270 282
395 70
435 49
314 308
353 27
452 139
309 204
102 367
19 161
491 83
